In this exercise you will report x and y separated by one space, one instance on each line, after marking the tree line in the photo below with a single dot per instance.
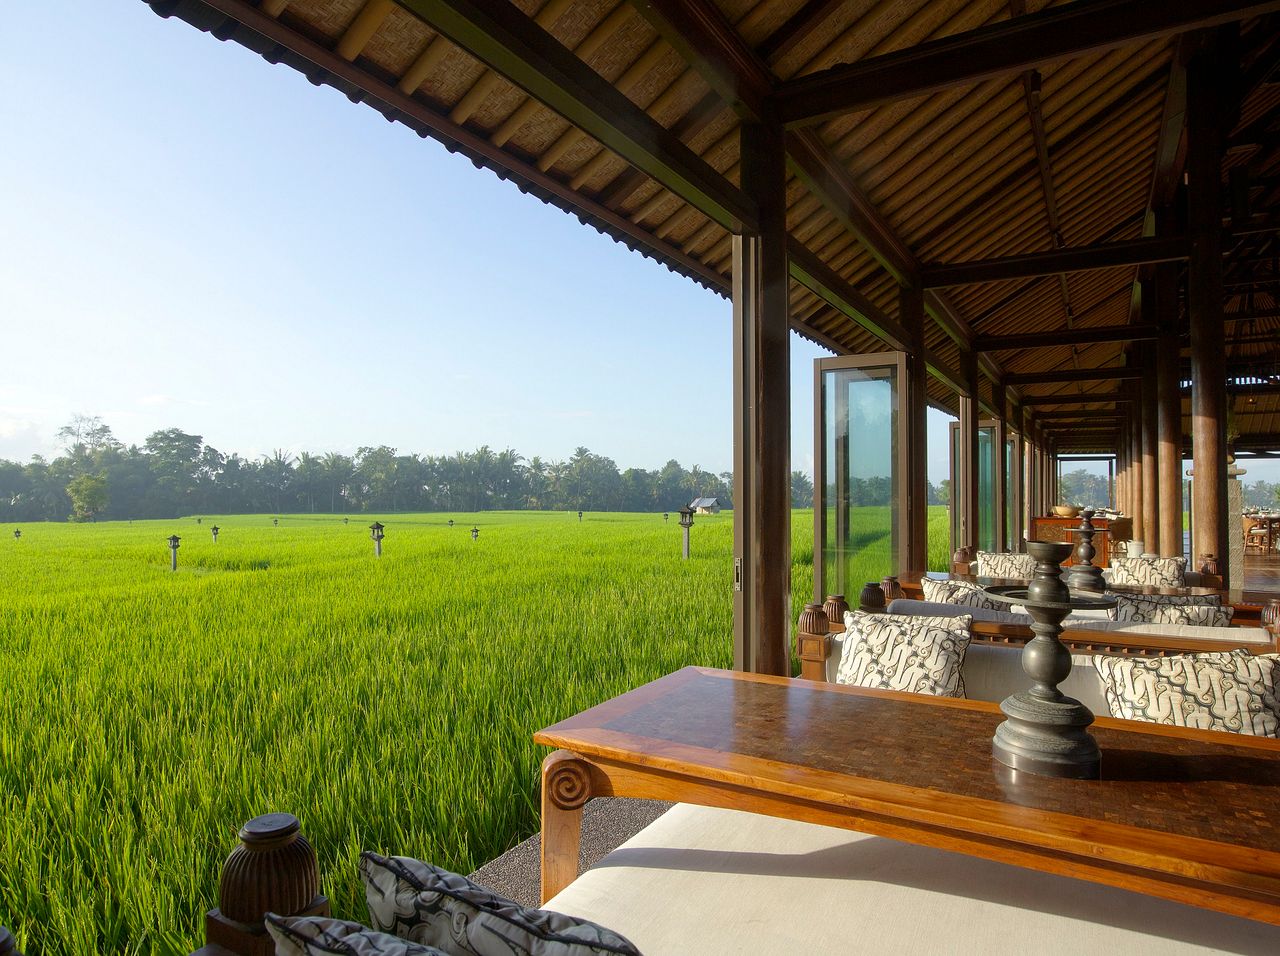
174 473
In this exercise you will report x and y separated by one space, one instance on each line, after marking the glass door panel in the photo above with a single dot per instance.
860 460
987 488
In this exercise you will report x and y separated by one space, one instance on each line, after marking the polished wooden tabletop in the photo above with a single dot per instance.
1189 815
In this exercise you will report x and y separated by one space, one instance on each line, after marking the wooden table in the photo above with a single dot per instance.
1181 814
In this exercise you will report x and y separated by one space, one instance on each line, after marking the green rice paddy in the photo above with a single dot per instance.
145 714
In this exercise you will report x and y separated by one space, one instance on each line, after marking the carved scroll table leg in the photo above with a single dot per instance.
566 787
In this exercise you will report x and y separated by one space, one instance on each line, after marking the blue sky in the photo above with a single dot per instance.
200 239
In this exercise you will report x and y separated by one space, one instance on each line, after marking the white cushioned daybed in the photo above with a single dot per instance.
708 881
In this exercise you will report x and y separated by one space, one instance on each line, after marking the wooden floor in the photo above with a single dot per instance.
1262 572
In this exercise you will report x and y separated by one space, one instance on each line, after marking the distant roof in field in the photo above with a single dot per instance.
928 141
705 503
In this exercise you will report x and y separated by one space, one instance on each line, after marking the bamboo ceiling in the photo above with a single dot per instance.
1066 155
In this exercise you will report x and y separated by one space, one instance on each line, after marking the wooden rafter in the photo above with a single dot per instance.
1022 43
500 36
1107 255
1058 376
1077 336
1072 399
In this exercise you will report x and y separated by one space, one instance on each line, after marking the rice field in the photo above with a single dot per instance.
145 714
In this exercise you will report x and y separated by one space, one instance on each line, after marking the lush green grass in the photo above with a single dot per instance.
145 714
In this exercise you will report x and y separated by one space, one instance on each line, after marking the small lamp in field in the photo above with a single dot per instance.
665 515
17 534
276 522
173 552
215 530
475 534
199 521
450 522
377 532
579 515
345 520
686 522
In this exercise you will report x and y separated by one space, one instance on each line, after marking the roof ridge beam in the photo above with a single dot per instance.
1064 259
506 40
1021 43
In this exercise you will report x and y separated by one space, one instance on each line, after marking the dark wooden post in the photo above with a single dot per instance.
1133 429
272 870
1017 533
916 557
1150 473
762 414
1000 394
1169 405
1206 79
967 494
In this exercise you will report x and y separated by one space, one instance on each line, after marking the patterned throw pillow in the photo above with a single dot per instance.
1017 567
1149 572
1172 609
922 655
321 936
1232 691
963 593
425 904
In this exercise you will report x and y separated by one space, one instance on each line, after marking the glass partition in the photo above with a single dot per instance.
859 460
987 497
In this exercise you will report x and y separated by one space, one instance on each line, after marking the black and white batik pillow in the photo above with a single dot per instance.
962 593
1149 572
1232 691
425 904
1016 567
1205 609
921 655
322 936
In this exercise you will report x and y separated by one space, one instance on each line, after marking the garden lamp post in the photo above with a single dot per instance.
215 529
173 552
475 534
199 521
579 515
377 532
665 515
686 522
17 533
275 522
450 522
345 520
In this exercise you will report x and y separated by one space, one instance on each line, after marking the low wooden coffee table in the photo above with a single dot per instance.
1186 815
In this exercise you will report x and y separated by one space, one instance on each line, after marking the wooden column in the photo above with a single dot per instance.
1168 409
967 493
762 416
1205 107
1122 475
1000 393
1018 530
915 555
1133 430
1150 479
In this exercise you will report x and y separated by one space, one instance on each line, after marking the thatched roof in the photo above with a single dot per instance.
1070 151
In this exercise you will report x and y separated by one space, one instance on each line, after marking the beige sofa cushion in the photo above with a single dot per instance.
708 882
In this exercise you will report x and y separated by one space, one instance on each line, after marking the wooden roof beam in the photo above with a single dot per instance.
499 35
1022 43
707 41
1061 375
1078 336
803 22
816 276
1073 399
1107 255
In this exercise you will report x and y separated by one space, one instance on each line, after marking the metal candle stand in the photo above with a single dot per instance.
1045 730
1084 575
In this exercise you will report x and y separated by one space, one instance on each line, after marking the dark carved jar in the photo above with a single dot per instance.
872 597
813 620
1271 615
835 606
273 870
1210 566
892 588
